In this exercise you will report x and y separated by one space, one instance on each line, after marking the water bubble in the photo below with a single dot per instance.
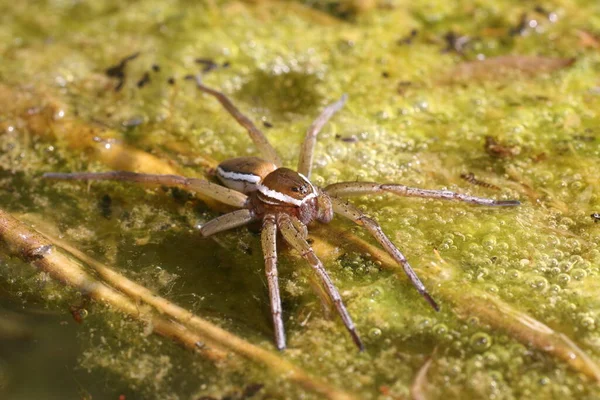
492 289
374 333
563 279
376 292
539 283
440 329
587 323
555 288
489 242
514 274
480 341
578 274
424 323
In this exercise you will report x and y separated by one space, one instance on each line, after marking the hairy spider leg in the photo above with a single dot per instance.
362 188
296 239
238 218
209 189
349 211
308 147
227 221
257 136
269 248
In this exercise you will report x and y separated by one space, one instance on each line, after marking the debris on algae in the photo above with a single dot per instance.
427 82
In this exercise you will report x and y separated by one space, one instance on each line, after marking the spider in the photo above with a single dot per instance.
286 201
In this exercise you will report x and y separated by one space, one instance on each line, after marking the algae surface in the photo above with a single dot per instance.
518 287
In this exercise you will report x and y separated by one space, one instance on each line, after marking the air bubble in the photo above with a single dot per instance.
555 289
440 329
514 274
578 274
563 279
374 333
588 323
489 242
480 341
539 283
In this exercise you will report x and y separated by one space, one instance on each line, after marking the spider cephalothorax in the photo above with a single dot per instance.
286 200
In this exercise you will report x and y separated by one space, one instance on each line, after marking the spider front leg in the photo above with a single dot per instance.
296 239
308 147
257 136
343 189
349 211
269 248
209 189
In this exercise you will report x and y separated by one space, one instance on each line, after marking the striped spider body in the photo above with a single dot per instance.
285 201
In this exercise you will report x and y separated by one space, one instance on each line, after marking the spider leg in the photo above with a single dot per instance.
308 147
269 248
296 240
209 189
227 221
349 211
257 136
361 188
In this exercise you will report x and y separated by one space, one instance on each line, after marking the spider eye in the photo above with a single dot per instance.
295 189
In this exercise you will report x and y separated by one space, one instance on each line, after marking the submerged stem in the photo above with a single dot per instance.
489 309
53 257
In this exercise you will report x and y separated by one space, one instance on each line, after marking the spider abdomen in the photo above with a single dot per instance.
244 173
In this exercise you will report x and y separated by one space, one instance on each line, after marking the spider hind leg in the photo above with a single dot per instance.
349 211
296 239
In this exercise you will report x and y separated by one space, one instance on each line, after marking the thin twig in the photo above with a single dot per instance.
419 386
30 246
33 247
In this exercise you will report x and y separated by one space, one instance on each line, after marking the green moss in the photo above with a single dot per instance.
286 62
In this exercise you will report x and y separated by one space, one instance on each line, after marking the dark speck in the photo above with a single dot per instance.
385 74
208 64
522 26
155 67
267 124
456 43
347 139
118 71
408 38
38 253
584 138
144 80
171 81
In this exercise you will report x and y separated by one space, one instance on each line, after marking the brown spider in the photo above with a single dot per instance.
285 199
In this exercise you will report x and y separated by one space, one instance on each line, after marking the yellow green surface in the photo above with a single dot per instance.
518 287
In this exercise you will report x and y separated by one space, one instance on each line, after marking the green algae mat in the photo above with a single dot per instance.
108 290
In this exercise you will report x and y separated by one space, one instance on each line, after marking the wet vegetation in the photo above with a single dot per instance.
112 281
